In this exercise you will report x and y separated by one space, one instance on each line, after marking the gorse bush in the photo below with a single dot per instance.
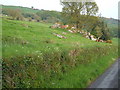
37 70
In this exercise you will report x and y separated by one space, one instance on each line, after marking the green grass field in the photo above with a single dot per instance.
34 57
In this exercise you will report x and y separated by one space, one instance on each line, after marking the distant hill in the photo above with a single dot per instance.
32 13
23 9
111 20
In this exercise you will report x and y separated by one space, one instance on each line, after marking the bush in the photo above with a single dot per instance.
14 13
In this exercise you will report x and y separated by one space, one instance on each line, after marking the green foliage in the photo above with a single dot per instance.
32 14
101 31
113 26
82 16
91 8
14 13
97 32
105 32
74 12
49 16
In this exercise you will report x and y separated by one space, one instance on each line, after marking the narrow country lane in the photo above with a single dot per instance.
109 79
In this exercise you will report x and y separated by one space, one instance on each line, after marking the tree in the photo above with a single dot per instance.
105 32
71 12
52 20
91 8
15 14
49 16
36 17
101 30
77 12
44 14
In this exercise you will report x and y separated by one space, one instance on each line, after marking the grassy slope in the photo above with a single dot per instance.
112 23
41 41
36 34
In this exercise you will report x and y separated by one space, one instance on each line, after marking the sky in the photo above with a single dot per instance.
107 8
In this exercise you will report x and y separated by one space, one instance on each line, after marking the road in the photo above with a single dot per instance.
109 79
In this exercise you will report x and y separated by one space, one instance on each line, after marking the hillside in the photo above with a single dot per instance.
111 21
34 14
23 9
34 57
54 16
39 35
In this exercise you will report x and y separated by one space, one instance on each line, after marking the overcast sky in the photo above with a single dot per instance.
107 8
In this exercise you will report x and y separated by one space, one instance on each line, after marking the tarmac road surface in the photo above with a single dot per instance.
109 79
